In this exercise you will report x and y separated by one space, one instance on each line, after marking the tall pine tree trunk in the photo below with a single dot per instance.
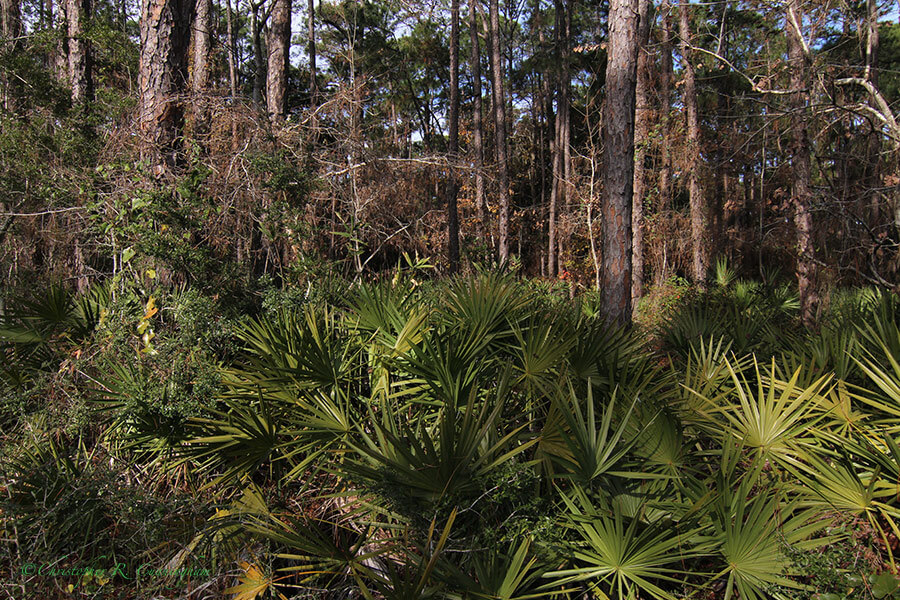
232 71
500 140
165 33
80 59
642 120
699 212
666 78
259 61
278 45
10 30
557 155
453 145
477 125
202 43
800 163
618 159
311 51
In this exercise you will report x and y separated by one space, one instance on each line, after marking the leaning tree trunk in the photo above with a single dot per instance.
80 60
279 45
618 159
453 146
800 163
500 132
641 137
165 29
699 214
477 125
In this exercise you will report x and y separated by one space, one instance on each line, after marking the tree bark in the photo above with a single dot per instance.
10 19
666 78
165 28
618 159
699 212
641 139
278 45
80 59
559 149
500 132
232 74
801 164
10 29
478 125
453 144
311 50
202 43
259 71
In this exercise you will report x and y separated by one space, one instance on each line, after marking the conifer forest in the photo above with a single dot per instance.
430 299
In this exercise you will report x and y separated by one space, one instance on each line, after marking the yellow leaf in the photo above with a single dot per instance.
253 583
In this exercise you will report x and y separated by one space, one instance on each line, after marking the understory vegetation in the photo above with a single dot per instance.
474 437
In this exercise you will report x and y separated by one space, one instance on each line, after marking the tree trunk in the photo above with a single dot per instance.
278 45
500 132
478 126
232 74
10 19
666 78
618 159
800 163
699 212
453 145
10 29
557 154
80 60
311 50
871 196
201 46
259 71
165 29
642 124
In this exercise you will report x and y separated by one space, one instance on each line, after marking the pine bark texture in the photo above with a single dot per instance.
801 164
259 60
311 50
10 19
666 78
202 43
477 124
642 125
618 159
559 188
165 34
500 132
700 242
278 45
79 48
232 74
10 30
453 143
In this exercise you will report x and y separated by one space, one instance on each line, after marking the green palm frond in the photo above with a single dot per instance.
622 557
771 420
584 444
446 458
